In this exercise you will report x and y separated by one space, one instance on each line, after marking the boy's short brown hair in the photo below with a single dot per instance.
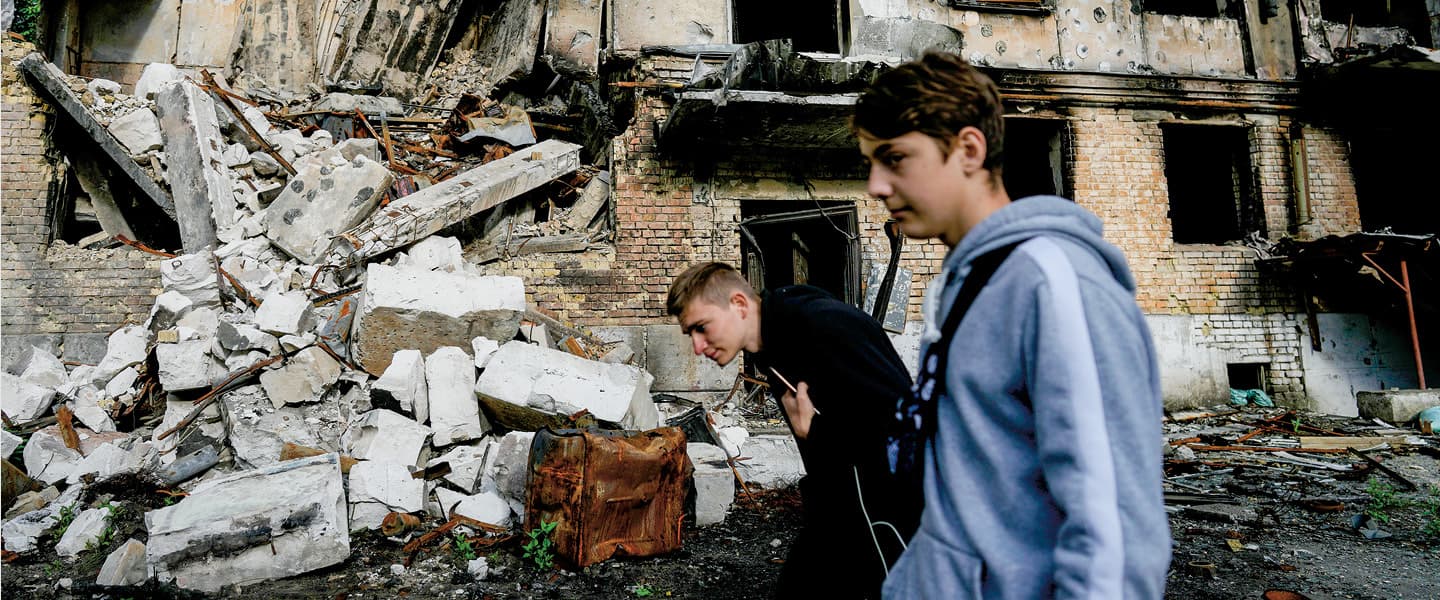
937 95
712 282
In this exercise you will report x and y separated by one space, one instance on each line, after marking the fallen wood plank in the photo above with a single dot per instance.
1349 442
594 198
1183 416
50 82
1265 449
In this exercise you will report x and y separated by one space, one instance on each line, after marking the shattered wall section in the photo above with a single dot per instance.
638 23
117 39
1181 45
54 294
275 43
390 43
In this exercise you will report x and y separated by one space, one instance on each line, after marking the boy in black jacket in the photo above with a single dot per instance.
837 376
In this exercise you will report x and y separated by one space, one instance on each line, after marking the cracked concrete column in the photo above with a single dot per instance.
204 204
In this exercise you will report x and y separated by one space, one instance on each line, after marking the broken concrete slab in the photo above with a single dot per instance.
454 412
320 201
44 369
386 435
1396 406
483 348
138 130
561 383
122 382
434 253
258 432
85 403
714 483
593 199
127 455
187 365
511 38
429 210
469 465
204 205
8 443
84 530
485 507
124 566
773 461
386 484
510 469
168 308
153 77
32 500
302 380
51 82
95 182
24 401
426 310
264 164
240 337
127 346
285 313
209 429
278 521
402 388
372 106
193 275
903 38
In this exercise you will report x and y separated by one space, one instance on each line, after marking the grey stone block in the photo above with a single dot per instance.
1396 406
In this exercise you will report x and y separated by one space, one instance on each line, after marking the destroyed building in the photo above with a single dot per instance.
1200 132
299 241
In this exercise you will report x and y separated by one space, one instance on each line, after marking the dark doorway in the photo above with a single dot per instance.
811 25
793 242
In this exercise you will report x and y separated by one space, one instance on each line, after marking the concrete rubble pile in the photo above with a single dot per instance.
319 359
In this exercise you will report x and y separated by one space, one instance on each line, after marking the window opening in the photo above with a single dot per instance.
811 25
1034 157
1207 170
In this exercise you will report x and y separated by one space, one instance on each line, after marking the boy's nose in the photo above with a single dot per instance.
697 343
877 186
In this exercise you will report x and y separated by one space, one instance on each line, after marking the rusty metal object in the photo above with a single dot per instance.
291 451
65 418
611 493
397 523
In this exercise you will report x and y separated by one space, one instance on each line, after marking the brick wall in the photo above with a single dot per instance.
53 291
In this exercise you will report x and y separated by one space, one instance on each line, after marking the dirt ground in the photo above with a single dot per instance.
1245 529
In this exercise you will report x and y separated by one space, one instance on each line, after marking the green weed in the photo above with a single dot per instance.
1382 499
540 549
462 547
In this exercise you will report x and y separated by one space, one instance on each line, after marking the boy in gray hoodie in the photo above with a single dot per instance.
1036 415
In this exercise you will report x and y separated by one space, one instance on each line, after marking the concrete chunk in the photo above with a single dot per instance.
86 406
137 130
129 455
127 346
187 365
239 337
774 461
427 211
8 443
321 201
454 411
714 483
193 275
425 310
469 465
285 313
279 521
24 401
124 566
561 383
434 253
402 388
510 469
44 369
386 483
303 379
204 206
153 77
85 529
486 507
21 532
385 435
1396 406
257 431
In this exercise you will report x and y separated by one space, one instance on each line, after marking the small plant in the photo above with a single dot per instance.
54 568
539 549
462 547
643 591
1382 499
1432 512
1295 424
66 516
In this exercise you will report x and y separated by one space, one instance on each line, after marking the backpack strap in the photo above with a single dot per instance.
981 269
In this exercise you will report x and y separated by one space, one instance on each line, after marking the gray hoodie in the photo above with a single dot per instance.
1043 478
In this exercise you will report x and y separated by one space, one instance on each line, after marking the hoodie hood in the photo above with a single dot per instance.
1033 216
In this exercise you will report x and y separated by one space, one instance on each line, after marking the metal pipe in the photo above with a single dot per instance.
1414 331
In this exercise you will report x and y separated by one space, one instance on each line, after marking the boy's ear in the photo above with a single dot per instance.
740 300
970 149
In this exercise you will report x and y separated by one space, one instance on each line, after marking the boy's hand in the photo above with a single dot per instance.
800 410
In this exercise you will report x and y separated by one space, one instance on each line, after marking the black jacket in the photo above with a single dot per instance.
855 378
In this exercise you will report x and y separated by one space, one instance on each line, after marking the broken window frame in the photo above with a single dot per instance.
1248 211
1061 157
851 279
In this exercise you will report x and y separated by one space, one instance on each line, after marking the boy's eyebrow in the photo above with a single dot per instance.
881 149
